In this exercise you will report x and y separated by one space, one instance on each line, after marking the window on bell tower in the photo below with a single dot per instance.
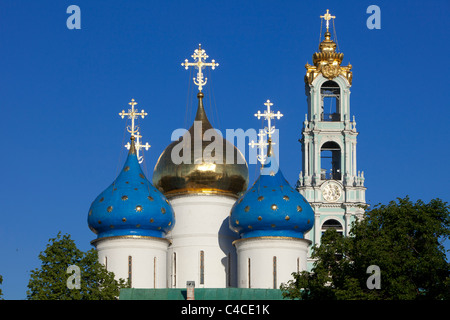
330 95
332 224
330 161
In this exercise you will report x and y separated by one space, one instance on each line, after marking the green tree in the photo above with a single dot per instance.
1 293
404 239
50 281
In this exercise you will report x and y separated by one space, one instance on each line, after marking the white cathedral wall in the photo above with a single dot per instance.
201 232
148 259
266 262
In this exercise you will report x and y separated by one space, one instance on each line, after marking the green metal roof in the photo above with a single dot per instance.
201 294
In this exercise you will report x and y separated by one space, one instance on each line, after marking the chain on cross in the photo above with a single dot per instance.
199 57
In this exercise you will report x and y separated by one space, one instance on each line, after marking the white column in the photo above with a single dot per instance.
267 262
306 155
347 223
354 158
347 158
317 222
316 158
148 259
201 224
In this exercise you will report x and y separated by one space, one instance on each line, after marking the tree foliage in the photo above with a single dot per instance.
50 281
404 239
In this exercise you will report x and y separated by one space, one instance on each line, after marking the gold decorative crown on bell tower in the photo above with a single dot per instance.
327 61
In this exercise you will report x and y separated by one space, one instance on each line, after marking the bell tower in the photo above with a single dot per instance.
329 179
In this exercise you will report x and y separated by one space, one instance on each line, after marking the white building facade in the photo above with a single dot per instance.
201 247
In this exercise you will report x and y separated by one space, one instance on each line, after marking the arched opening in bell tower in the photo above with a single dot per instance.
332 224
330 161
330 95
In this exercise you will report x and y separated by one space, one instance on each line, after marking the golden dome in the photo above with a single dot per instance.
211 175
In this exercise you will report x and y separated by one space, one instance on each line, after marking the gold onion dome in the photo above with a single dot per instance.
210 174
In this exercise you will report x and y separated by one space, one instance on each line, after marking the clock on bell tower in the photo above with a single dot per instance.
329 179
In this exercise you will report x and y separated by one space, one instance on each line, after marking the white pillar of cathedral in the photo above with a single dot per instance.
267 262
141 260
201 248
337 191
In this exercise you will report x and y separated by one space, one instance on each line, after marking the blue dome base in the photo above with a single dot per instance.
272 233
131 232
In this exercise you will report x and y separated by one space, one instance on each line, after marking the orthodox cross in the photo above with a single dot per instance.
139 146
199 57
269 115
327 16
261 144
134 130
132 114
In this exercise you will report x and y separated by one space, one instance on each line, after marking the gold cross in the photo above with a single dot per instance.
139 146
327 16
200 55
269 115
261 144
132 114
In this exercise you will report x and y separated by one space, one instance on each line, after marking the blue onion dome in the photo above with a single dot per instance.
271 207
131 205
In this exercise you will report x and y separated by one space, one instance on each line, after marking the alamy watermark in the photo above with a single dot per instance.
74 20
190 147
74 281
374 21
374 281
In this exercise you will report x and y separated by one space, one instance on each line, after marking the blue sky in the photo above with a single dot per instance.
61 91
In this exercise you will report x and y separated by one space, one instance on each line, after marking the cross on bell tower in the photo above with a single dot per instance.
327 16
